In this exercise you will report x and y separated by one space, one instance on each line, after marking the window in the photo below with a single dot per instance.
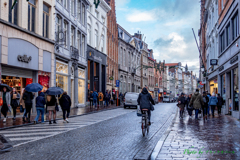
96 38
103 21
83 14
83 45
79 10
12 17
73 7
58 23
222 42
96 14
102 43
45 20
73 36
65 30
89 34
31 15
228 39
65 4
235 27
79 42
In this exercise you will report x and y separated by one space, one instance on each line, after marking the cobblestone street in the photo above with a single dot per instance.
111 134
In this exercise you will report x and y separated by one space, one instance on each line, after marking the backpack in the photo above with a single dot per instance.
204 100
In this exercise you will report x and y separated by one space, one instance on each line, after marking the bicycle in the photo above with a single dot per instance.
145 122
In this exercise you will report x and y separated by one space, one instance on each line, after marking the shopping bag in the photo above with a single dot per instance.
139 112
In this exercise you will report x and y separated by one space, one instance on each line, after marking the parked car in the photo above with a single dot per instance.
166 99
130 99
156 100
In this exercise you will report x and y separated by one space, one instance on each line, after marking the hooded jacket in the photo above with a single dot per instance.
144 99
183 102
40 100
28 97
100 96
95 95
65 102
213 101
197 101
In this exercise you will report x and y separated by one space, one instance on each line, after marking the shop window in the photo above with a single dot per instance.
45 20
81 91
13 13
31 15
235 27
223 88
62 82
61 68
236 90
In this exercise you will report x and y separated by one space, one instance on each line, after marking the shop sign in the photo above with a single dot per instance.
97 58
221 68
204 81
213 62
24 58
111 78
215 80
96 78
234 59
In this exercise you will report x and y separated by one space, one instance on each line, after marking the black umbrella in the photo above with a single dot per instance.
54 91
9 89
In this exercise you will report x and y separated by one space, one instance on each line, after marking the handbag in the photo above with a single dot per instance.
21 109
56 107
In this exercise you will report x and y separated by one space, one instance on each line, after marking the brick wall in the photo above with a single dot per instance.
222 11
112 43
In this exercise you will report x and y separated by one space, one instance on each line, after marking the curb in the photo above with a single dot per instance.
28 124
160 143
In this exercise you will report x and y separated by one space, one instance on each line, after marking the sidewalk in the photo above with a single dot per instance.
217 138
74 112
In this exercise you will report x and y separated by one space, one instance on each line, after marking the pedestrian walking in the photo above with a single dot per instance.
219 104
197 102
28 97
23 105
15 97
189 108
91 99
100 98
65 103
40 103
213 103
208 109
205 106
95 97
109 97
106 98
181 105
6 97
51 104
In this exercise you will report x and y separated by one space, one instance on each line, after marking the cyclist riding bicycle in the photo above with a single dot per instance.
144 100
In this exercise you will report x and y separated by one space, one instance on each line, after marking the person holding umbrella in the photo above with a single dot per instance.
52 92
28 97
65 103
6 102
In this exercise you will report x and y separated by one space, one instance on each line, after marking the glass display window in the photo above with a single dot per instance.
236 90
62 82
81 91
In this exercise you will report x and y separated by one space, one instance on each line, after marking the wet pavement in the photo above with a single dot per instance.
74 112
217 138
108 135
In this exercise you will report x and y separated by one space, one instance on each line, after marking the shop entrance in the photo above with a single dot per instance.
213 86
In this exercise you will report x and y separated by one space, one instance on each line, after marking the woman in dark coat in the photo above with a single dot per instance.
181 104
65 103
15 96
28 97
189 108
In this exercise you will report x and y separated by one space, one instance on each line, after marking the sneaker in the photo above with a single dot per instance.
4 120
67 121
64 121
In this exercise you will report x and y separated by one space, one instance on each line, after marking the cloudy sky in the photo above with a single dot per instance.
167 25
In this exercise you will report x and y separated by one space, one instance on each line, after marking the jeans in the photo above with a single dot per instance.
64 113
106 103
196 113
212 109
95 102
208 108
189 112
40 110
24 112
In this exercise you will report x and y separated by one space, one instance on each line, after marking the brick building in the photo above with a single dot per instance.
112 46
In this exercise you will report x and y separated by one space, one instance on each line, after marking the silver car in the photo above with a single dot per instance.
130 99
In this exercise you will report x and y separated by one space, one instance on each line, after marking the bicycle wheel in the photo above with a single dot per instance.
143 125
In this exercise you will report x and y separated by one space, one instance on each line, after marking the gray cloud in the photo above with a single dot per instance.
162 43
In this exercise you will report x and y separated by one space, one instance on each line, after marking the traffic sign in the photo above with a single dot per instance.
117 83
111 78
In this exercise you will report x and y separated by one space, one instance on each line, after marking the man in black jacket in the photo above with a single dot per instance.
144 100
219 104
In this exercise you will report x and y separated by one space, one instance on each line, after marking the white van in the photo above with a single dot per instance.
166 99
130 99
